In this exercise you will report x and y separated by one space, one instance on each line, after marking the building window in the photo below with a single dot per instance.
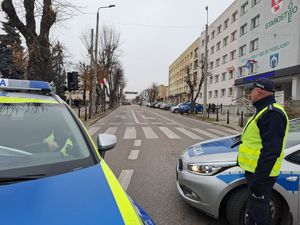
218 45
241 71
232 55
230 91
218 62
252 68
244 8
234 16
211 65
209 94
224 59
203 43
219 29
226 23
223 76
196 53
216 94
200 95
217 79
225 41
231 74
223 92
212 35
242 50
212 50
243 29
233 36
255 2
195 64
254 22
210 80
254 45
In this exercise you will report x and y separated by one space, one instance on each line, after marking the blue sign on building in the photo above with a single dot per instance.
274 60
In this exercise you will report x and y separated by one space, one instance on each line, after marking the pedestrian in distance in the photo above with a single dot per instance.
213 108
261 151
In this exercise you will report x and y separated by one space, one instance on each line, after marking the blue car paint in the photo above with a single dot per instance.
214 147
185 108
79 197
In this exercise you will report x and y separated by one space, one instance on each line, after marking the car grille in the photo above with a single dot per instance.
180 165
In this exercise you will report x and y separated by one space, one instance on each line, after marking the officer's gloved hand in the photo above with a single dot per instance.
255 189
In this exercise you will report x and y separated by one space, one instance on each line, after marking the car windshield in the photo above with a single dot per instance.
294 133
40 135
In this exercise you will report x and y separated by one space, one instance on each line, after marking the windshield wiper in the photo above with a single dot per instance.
15 179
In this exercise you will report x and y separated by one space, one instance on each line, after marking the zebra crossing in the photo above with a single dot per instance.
174 133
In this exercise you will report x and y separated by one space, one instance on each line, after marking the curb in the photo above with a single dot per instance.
90 122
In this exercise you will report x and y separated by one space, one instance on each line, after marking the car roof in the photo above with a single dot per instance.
26 91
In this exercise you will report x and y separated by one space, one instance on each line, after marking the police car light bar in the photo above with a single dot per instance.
11 84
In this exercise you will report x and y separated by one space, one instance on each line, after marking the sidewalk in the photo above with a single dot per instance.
94 118
234 120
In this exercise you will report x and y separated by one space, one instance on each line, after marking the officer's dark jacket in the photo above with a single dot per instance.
272 126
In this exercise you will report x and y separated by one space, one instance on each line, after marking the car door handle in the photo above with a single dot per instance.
292 179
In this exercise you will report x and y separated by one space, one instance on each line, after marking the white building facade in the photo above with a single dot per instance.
252 39
268 45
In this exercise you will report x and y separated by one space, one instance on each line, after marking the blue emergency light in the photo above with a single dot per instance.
11 84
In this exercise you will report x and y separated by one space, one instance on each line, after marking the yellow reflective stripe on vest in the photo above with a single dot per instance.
251 146
13 100
127 211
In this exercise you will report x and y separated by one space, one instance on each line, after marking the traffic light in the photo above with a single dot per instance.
72 81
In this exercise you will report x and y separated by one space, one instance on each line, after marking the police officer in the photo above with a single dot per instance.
261 150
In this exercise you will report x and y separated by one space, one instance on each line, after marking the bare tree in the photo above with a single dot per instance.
39 54
191 81
153 92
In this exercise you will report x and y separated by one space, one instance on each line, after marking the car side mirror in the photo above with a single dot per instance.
106 142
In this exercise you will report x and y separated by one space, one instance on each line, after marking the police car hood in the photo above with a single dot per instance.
77 198
214 150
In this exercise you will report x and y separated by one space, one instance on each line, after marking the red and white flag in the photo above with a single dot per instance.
276 6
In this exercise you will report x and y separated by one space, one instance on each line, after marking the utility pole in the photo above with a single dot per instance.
205 68
91 80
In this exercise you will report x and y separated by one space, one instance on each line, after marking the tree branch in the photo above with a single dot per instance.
9 9
30 21
48 19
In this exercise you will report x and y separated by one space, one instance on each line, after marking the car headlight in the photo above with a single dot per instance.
209 169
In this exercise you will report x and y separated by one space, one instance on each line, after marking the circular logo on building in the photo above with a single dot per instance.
274 59
276 6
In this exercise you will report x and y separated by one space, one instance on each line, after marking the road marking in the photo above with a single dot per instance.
166 118
205 133
128 123
111 130
218 132
137 143
189 133
124 178
136 119
121 116
93 130
148 118
149 133
130 133
170 134
134 154
231 131
114 123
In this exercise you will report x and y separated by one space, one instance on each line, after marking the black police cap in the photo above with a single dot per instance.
265 84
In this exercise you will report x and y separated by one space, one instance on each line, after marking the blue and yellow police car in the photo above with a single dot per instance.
51 172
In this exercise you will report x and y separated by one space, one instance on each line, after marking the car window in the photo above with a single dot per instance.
294 133
294 158
39 134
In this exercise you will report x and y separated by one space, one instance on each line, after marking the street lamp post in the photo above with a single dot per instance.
205 68
96 54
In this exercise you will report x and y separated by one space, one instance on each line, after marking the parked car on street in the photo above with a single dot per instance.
51 172
175 108
185 108
209 179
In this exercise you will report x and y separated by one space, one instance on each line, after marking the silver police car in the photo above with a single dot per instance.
209 179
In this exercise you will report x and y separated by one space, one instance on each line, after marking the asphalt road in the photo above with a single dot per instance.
149 144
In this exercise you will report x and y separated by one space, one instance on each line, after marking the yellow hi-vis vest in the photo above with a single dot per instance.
251 145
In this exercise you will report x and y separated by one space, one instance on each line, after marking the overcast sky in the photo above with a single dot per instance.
153 33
